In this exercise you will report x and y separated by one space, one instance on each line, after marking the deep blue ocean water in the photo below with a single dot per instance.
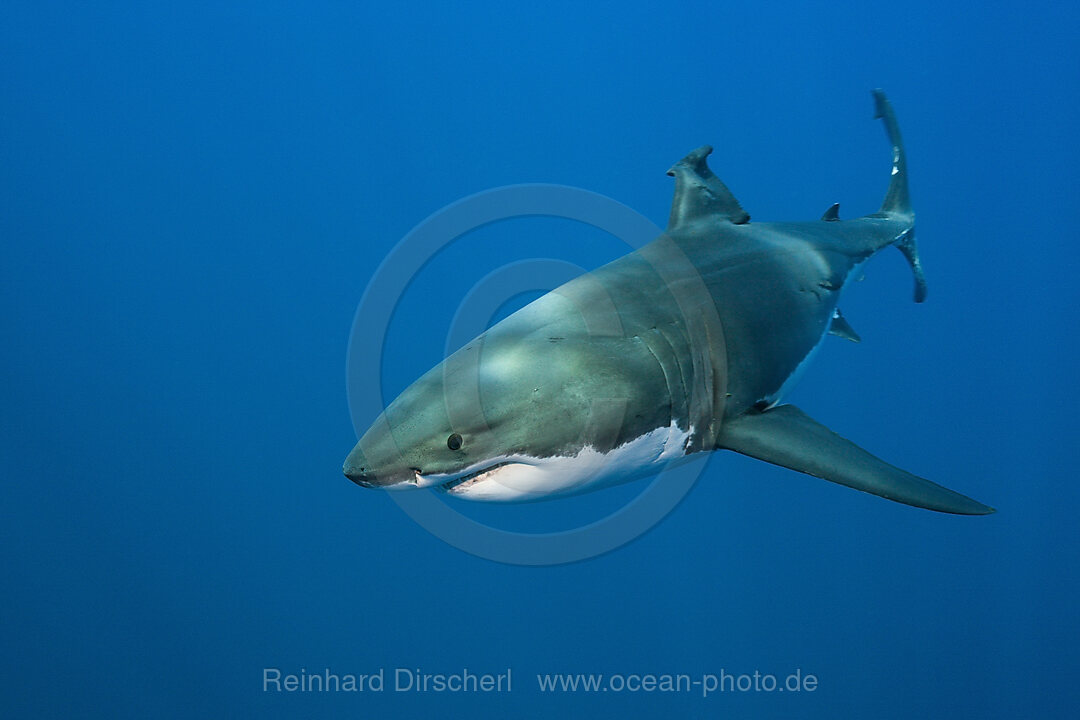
194 196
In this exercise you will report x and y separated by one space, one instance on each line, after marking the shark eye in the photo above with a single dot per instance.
454 442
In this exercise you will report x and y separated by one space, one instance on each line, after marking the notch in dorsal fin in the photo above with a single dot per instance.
841 328
699 193
832 214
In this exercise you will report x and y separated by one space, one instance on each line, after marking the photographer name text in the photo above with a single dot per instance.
385 679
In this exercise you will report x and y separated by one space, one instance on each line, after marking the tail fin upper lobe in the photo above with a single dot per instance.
897 200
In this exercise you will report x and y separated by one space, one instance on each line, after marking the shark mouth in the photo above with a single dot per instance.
461 484
515 478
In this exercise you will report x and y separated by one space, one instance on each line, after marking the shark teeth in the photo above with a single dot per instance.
464 479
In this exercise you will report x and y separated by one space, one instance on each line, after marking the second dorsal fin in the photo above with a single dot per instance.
832 214
699 193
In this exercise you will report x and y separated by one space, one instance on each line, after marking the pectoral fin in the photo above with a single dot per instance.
841 328
788 437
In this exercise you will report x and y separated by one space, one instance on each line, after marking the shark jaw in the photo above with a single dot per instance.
523 478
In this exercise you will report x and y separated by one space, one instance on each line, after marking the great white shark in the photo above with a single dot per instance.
687 345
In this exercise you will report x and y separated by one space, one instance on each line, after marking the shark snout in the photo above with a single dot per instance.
360 470
360 477
356 469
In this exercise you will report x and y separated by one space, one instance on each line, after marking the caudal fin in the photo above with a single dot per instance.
897 200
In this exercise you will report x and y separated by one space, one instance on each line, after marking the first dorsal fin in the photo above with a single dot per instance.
699 193
832 214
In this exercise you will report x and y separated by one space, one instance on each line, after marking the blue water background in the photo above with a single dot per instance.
193 197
